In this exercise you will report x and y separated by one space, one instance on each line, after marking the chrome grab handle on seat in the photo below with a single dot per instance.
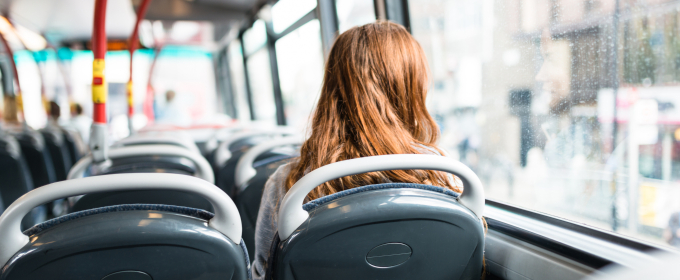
244 168
226 220
203 169
291 214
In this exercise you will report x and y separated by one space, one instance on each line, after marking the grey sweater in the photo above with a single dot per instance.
266 224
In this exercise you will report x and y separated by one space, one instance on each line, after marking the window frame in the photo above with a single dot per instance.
586 245
272 38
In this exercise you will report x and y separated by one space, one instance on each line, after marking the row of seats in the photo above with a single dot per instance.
197 230
31 159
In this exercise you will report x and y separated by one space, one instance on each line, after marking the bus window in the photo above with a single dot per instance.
189 72
287 12
300 61
354 12
29 78
255 38
259 72
54 86
238 80
564 107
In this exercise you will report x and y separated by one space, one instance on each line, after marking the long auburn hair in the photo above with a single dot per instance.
372 103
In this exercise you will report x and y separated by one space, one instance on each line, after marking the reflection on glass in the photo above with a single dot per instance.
255 37
259 74
300 60
287 12
354 12
557 116
238 80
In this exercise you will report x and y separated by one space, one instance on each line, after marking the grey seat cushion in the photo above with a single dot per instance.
309 206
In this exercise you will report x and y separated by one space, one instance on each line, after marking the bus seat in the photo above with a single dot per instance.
149 164
176 160
147 158
174 138
16 179
248 200
227 170
37 157
74 144
383 231
251 178
97 200
228 153
138 241
56 145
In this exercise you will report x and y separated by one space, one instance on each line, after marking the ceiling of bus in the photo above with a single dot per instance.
66 20
71 19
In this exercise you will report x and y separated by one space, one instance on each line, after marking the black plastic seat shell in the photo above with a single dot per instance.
248 201
148 238
344 230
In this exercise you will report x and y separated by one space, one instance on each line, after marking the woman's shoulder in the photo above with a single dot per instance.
283 170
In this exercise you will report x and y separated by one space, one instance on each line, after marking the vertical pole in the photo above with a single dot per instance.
328 18
227 85
98 144
380 12
276 82
397 11
249 92
133 45
615 89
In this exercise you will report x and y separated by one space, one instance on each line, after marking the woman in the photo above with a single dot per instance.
372 103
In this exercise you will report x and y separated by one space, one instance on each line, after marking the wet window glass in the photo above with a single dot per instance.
259 75
354 12
255 38
300 61
238 80
570 108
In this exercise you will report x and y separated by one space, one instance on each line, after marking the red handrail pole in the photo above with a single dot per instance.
134 44
98 143
99 85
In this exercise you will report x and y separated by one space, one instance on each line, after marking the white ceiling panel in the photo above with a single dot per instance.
72 19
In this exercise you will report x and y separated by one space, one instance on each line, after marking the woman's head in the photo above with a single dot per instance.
372 102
